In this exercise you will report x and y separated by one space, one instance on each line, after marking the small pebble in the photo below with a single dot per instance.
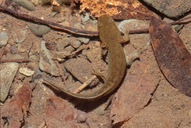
26 71
62 19
3 39
62 44
85 17
39 30
84 40
66 52
33 58
69 49
21 48
26 4
63 54
19 37
14 50
74 42
80 117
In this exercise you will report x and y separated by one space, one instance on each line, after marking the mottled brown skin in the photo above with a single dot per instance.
109 35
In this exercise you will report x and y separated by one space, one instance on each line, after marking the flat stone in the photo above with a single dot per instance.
26 4
80 68
46 63
171 8
39 30
3 39
74 42
7 73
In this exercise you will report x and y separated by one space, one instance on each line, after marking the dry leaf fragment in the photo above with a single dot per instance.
60 114
172 56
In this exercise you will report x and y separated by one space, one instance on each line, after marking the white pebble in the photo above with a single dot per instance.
26 71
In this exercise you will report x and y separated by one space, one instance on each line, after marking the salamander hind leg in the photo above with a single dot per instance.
100 74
